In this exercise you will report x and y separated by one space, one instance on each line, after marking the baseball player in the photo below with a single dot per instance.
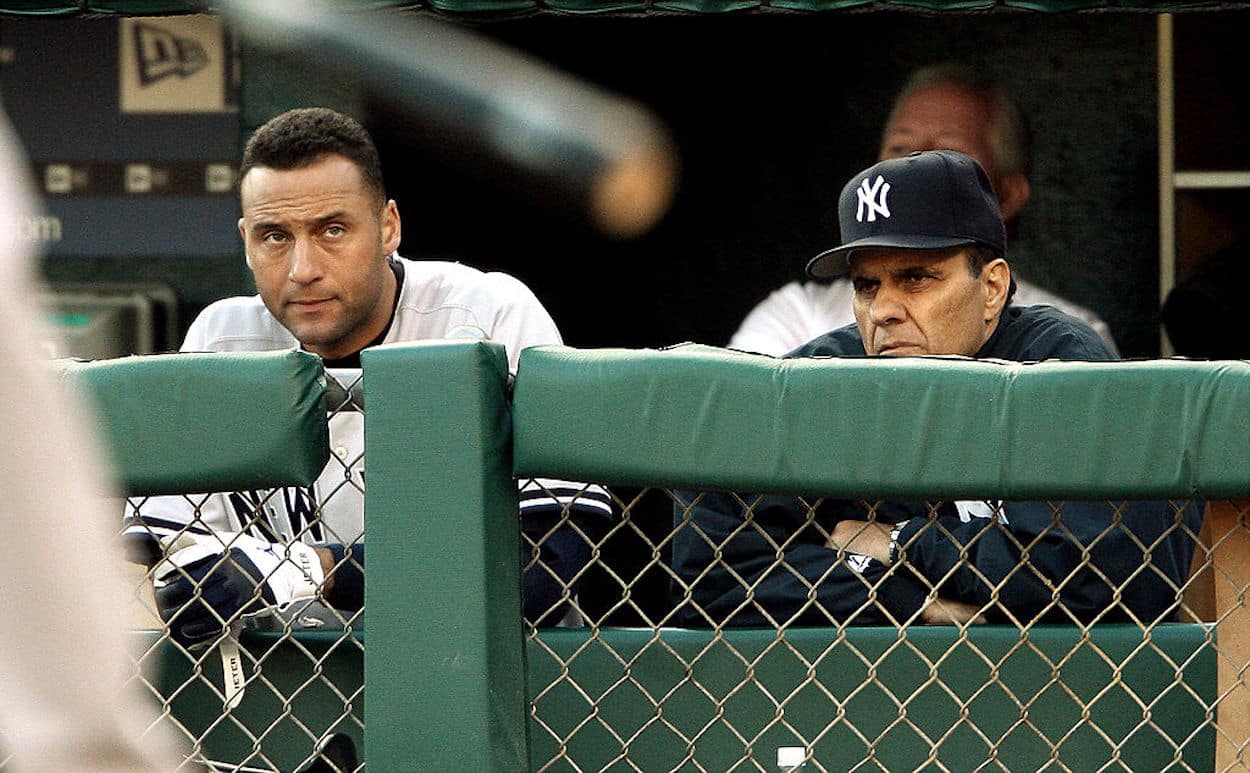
321 240
941 107
923 242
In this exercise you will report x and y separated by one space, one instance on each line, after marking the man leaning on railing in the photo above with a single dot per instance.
321 239
924 243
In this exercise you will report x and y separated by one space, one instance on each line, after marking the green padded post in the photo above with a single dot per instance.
444 662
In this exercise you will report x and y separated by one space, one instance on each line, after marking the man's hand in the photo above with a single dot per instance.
868 538
208 581
942 611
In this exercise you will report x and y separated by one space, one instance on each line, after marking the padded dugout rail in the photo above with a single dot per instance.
192 422
703 417
195 422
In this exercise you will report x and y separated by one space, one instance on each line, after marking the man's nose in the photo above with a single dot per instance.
305 262
887 307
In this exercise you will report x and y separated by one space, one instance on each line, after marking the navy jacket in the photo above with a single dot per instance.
1082 562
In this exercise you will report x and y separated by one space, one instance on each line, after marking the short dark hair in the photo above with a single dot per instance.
302 137
978 255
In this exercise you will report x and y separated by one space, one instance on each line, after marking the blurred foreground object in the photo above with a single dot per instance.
64 707
503 112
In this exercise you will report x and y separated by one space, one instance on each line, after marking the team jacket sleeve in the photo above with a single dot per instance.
558 517
560 520
348 591
763 561
1082 560
148 519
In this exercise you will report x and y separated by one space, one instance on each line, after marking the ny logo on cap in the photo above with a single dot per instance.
873 198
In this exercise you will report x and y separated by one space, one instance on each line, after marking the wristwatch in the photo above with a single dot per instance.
896 530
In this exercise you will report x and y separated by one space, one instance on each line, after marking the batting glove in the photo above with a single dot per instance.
206 582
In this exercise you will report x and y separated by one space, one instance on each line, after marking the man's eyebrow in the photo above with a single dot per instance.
339 214
919 269
260 225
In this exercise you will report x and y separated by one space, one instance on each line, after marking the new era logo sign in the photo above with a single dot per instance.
162 54
872 199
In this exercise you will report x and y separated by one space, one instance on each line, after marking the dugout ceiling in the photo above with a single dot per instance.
476 8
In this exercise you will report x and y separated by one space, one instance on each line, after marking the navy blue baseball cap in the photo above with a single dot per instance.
928 200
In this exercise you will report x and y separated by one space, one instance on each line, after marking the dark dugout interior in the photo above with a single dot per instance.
772 113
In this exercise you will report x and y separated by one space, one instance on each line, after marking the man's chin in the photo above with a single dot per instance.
901 350
314 338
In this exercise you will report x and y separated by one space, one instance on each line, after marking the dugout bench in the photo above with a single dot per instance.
448 659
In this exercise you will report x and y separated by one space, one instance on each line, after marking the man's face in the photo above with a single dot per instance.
913 302
941 117
947 117
317 239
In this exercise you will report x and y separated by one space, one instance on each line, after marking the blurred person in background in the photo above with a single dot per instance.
65 706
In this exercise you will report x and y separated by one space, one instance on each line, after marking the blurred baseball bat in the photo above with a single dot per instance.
609 156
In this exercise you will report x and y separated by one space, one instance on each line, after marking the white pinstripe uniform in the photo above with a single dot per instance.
437 298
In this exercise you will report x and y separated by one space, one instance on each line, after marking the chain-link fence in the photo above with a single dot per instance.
282 691
727 630
1086 661
1006 571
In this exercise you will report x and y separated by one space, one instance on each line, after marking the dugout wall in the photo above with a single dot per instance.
455 681
650 699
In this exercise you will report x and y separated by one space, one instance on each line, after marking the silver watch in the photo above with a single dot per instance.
895 531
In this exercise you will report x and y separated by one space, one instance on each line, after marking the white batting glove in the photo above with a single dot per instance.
208 581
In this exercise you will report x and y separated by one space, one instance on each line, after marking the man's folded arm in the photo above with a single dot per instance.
772 567
1062 560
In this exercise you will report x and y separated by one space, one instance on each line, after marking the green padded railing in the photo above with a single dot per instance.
446 662
702 417
198 422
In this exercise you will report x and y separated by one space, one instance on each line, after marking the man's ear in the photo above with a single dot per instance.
243 235
1013 192
391 227
996 276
